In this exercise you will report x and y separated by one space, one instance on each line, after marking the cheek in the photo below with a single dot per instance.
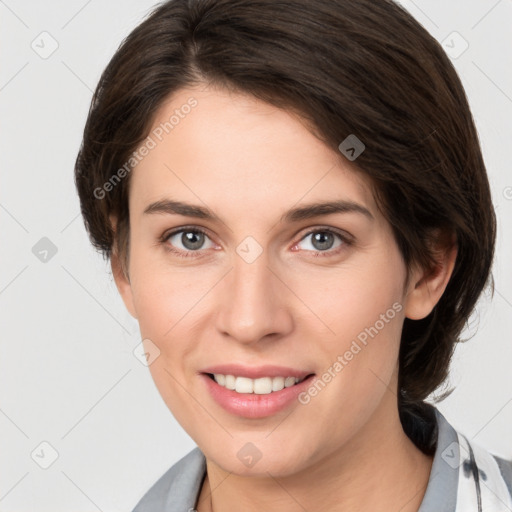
357 325
162 294
167 309
358 351
167 303
354 300
172 308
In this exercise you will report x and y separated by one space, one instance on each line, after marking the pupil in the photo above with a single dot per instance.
319 240
188 240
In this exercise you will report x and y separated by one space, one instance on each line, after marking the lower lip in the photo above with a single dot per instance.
251 405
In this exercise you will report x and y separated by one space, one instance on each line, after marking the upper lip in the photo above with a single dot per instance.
256 372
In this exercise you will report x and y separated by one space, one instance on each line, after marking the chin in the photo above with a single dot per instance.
256 456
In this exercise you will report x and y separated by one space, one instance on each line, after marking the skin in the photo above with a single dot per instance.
249 163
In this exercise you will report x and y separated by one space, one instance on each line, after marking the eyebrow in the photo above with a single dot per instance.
308 211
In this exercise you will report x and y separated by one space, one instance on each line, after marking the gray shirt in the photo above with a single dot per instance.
178 489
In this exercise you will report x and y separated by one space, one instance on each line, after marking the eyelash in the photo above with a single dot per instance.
346 241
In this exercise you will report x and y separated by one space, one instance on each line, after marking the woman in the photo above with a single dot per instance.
296 209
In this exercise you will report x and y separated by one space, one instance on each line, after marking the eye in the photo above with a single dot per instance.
185 241
324 241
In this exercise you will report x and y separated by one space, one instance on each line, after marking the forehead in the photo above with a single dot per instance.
232 150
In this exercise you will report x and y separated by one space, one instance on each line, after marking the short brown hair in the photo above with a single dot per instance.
364 67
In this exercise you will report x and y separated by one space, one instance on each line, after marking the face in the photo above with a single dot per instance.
233 271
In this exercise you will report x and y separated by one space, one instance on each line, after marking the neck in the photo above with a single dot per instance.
380 469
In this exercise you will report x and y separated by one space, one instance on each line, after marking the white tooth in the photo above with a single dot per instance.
290 381
243 385
230 382
277 383
263 386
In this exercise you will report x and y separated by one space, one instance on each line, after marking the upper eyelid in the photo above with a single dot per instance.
337 231
171 232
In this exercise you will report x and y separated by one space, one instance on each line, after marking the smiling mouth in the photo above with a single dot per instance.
260 386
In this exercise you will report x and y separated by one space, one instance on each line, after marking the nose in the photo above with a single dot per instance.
252 303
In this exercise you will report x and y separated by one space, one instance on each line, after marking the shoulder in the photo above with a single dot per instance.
464 474
481 473
178 488
505 466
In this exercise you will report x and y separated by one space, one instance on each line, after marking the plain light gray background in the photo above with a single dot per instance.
68 375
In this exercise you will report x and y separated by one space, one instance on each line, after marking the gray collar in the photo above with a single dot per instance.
441 493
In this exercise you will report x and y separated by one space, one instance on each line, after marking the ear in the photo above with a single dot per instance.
121 277
426 286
